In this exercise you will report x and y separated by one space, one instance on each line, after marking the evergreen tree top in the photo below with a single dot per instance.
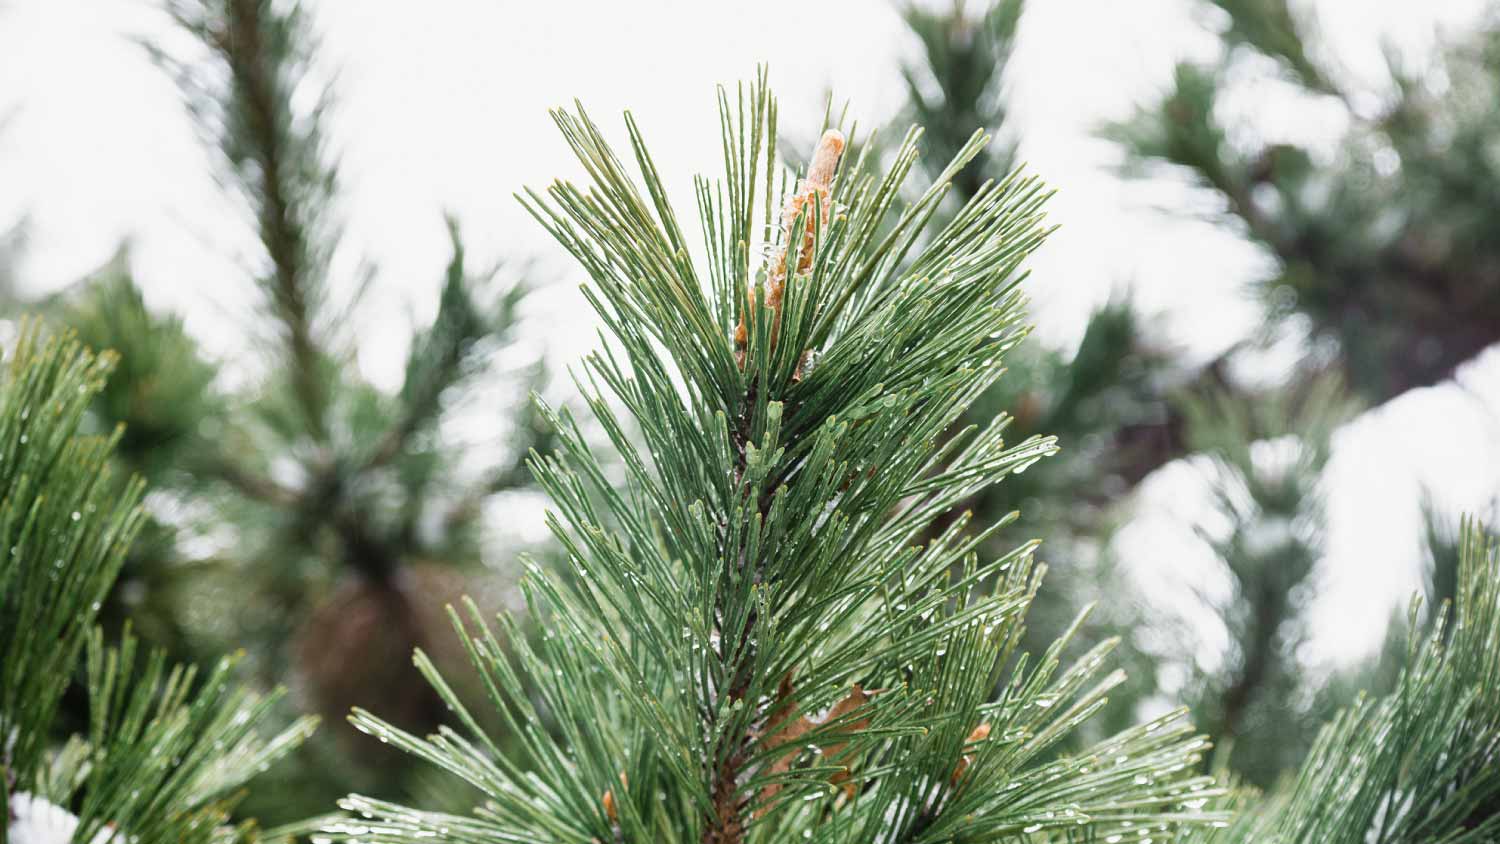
758 635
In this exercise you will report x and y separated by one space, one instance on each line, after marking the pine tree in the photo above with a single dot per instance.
747 641
163 750
305 513
1106 401
960 83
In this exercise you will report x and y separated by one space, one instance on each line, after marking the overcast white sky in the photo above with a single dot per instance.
446 109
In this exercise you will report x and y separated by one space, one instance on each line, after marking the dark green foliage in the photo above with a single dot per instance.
1384 256
162 753
1108 386
371 470
57 566
1095 399
277 160
1443 542
1151 408
161 396
162 389
772 619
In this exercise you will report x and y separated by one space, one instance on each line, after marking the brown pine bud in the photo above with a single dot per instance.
825 160
812 192
612 811
980 733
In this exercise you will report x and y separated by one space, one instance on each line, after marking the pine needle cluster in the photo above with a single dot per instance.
754 637
164 749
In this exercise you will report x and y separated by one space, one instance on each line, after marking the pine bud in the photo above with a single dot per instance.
980 733
812 193
611 810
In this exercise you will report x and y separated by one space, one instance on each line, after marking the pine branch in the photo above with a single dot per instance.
1419 764
279 161
161 388
59 565
806 212
1269 457
443 355
161 753
317 477
757 635
277 157
959 83
1275 29
250 484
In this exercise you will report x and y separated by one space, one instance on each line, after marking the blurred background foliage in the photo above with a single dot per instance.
321 522
304 515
